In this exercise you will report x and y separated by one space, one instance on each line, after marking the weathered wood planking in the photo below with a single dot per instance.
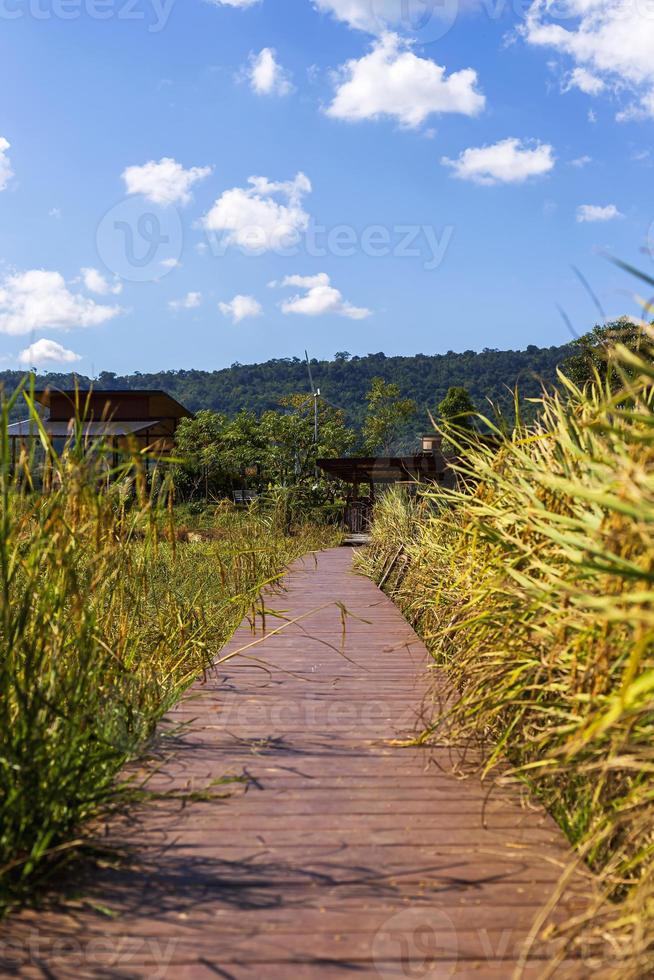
342 855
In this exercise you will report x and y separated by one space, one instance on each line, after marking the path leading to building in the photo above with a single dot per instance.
341 855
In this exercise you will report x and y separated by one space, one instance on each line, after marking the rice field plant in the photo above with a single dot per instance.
105 618
533 586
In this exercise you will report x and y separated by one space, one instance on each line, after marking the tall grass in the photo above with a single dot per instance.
105 618
533 585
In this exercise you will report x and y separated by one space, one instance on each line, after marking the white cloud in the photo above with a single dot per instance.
637 111
595 212
305 282
54 213
171 263
190 302
95 282
610 41
266 75
585 81
377 16
580 162
393 81
252 218
511 161
39 299
6 173
320 298
356 13
234 3
165 182
46 350
240 308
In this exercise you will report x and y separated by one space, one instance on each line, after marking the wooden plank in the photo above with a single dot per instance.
341 853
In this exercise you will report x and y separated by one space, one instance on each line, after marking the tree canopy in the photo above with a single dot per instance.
278 448
591 355
344 381
458 408
387 418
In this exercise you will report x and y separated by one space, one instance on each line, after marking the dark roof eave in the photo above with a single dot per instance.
41 394
365 468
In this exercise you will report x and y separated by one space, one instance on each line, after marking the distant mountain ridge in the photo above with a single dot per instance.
343 381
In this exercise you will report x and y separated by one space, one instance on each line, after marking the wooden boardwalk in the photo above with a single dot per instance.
342 855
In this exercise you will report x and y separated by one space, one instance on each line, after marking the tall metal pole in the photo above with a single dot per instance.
316 395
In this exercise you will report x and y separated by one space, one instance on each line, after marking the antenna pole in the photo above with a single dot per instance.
316 395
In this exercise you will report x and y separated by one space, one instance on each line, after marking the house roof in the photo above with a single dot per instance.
363 469
79 396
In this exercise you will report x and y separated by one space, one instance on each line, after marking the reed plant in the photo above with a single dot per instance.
105 618
533 586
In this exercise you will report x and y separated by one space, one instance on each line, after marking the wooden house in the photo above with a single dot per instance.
140 418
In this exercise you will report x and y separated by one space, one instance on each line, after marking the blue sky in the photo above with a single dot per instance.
423 186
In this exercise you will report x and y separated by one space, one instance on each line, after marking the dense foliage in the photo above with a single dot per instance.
592 357
457 411
457 408
533 586
276 449
387 420
343 381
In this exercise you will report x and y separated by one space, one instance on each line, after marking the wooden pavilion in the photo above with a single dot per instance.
429 465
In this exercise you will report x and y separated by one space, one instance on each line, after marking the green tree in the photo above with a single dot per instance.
592 354
279 448
458 408
387 418
243 449
457 411
199 442
292 450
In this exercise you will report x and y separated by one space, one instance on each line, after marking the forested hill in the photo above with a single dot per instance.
344 381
